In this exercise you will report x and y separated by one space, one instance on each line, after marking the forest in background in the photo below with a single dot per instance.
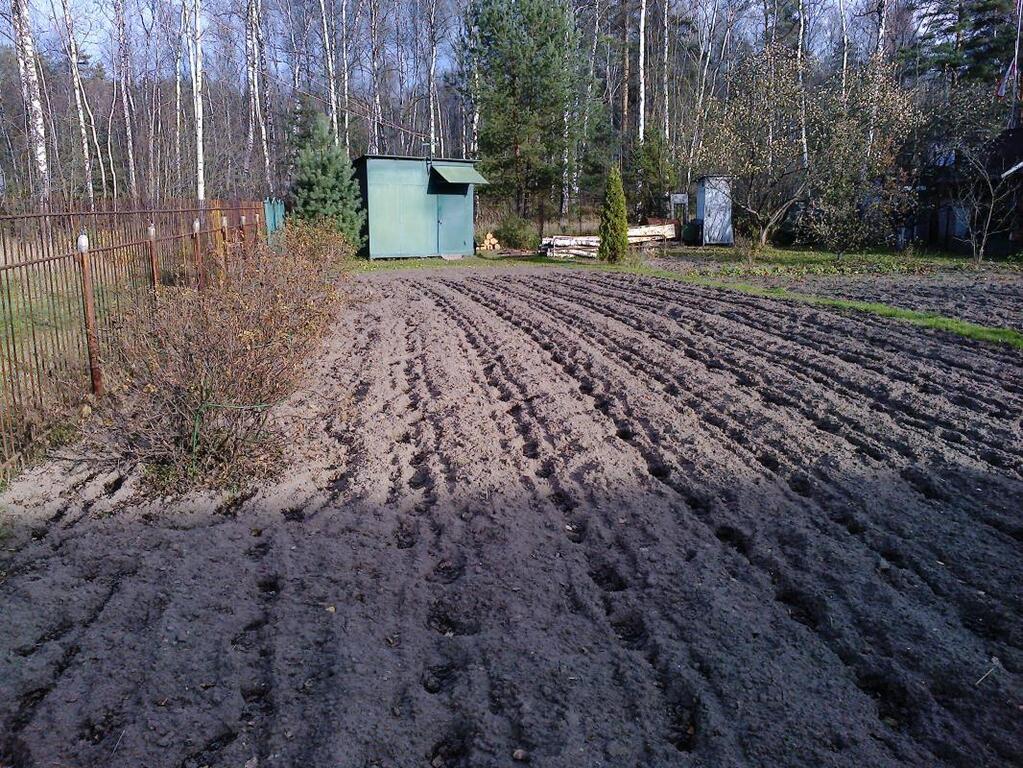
809 104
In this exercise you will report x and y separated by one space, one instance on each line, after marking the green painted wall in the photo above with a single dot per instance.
411 211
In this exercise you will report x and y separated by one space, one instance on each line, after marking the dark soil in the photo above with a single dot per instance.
978 297
574 519
991 294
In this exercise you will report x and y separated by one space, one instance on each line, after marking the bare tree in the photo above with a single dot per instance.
328 60
71 49
31 96
124 78
641 132
194 44
985 192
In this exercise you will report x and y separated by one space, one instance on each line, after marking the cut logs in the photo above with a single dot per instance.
489 242
565 246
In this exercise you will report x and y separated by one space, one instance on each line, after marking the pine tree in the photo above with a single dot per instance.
324 186
526 55
614 229
969 40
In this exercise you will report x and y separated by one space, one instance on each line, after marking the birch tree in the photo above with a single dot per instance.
194 24
31 96
71 49
641 112
328 60
124 78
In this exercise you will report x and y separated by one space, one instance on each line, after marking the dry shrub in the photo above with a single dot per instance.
200 371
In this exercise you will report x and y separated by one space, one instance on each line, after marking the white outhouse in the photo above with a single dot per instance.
714 208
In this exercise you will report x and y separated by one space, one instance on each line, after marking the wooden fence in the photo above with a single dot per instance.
65 277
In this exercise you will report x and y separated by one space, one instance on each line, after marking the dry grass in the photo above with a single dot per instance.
203 370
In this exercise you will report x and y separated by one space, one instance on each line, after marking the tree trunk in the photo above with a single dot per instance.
79 91
374 43
124 77
31 96
664 71
625 70
195 66
328 56
345 88
706 41
641 112
432 78
845 46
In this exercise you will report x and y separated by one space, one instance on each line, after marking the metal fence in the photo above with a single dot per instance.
66 276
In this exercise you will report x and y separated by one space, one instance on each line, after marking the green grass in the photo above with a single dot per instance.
800 262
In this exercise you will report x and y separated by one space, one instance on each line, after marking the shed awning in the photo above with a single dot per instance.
459 173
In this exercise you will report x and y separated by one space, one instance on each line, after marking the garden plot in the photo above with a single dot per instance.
574 518
987 298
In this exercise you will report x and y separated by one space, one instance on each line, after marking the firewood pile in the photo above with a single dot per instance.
586 246
489 243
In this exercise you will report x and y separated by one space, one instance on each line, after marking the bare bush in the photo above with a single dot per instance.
202 369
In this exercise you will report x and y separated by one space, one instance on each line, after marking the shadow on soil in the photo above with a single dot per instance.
782 623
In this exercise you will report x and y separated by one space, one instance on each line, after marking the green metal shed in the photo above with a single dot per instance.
417 206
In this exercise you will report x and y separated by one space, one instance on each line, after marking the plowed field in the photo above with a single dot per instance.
574 519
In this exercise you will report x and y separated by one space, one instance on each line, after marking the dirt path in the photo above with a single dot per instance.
604 520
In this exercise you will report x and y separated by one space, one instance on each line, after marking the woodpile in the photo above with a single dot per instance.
585 246
489 243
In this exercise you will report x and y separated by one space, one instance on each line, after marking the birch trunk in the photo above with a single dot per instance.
179 186
377 112
195 67
845 46
328 55
31 96
625 69
584 138
262 111
641 132
345 88
79 91
250 88
706 41
800 66
124 78
432 17
664 72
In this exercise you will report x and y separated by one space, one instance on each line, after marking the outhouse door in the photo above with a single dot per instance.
454 220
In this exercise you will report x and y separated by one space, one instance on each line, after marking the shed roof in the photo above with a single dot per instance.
419 159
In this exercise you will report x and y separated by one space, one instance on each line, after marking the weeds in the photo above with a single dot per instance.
202 369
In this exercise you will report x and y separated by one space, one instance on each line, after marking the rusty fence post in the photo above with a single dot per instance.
225 245
197 248
89 308
242 252
153 266
241 233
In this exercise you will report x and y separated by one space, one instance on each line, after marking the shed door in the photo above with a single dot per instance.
454 219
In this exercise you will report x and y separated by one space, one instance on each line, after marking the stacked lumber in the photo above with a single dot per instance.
489 243
564 246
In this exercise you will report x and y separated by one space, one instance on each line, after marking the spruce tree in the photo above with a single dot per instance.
614 229
325 186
